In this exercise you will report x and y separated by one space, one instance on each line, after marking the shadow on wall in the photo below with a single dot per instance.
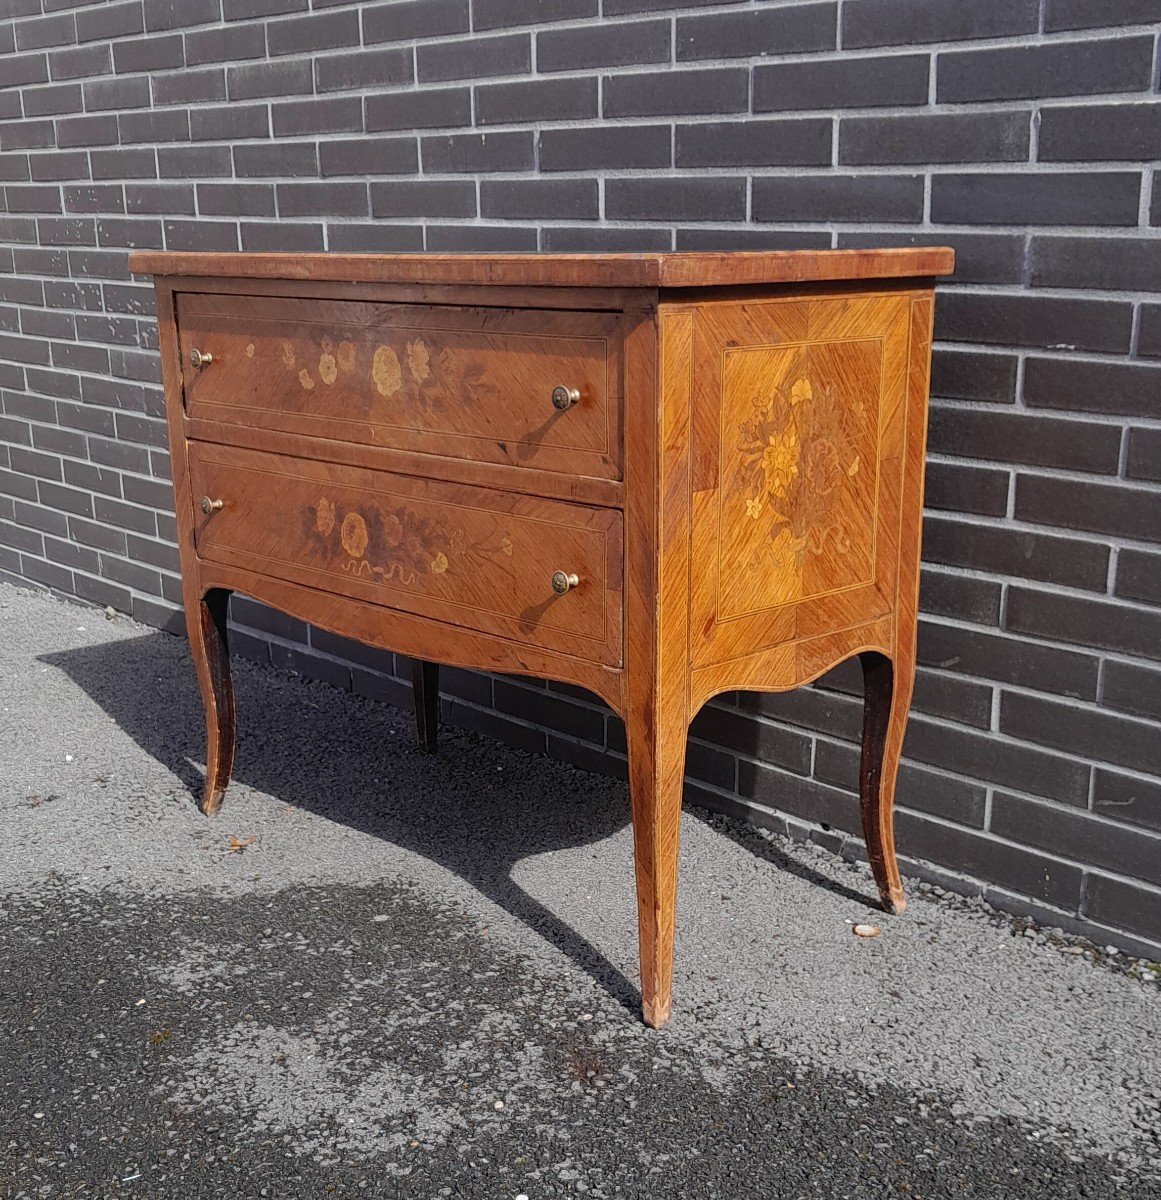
325 751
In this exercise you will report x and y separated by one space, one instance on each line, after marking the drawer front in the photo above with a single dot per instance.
469 383
472 557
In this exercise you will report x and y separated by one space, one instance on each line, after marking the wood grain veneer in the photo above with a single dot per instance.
726 493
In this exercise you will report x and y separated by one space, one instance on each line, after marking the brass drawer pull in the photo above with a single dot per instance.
199 358
562 583
564 397
209 506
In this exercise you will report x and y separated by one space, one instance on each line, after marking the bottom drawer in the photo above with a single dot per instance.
471 557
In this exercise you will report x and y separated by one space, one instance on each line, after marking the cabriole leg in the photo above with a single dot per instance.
425 690
206 622
887 695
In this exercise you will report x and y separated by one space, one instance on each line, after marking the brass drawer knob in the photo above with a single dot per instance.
199 358
209 506
564 397
562 583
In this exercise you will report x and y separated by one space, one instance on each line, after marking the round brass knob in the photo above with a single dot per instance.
199 358
562 583
209 506
564 397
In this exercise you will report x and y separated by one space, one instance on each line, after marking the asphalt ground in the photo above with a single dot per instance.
380 972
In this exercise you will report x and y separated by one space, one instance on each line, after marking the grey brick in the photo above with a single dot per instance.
797 29
270 79
467 152
175 14
1144 457
579 239
494 14
228 44
403 20
605 147
1122 905
934 138
675 199
632 43
676 93
282 236
1127 798
507 54
1123 263
340 114
106 21
149 54
423 198
908 22
1017 198
430 109
1040 321
540 199
1122 389
323 200
461 239
80 61
363 69
880 82
1108 132
1085 622
160 125
276 161
838 198
235 199
1085 68
329 30
1149 338
1113 509
376 239
369 156
956 487
800 142
536 100
1083 14
59 29
190 87
244 10
1132 689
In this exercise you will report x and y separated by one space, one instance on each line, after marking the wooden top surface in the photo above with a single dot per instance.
562 270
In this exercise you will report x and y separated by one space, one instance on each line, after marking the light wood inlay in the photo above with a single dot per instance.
727 496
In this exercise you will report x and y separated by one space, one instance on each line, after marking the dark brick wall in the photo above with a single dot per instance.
1023 132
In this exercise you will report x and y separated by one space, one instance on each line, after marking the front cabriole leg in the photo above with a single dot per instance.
206 623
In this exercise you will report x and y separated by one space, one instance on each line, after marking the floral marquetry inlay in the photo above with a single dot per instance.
798 475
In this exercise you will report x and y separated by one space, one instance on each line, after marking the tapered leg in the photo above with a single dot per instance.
656 771
206 622
425 688
887 696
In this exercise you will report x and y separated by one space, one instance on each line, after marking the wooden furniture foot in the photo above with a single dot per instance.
656 771
206 623
425 689
887 694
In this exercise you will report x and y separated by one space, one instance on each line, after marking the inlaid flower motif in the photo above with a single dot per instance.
822 470
392 529
386 372
353 535
439 563
418 360
754 507
324 516
802 390
780 462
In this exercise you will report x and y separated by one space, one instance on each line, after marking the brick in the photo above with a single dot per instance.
461 239
137 163
1121 389
1122 905
438 108
1109 263
39 32
1112 509
955 487
675 199
149 54
1085 68
577 239
323 200
1025 554
602 44
270 79
802 142
934 138
745 734
494 14
225 122
1095 133
423 198
606 147
193 162
838 198
1085 622
1132 689
1127 798
540 199
244 10
282 236
1077 836
536 100
1041 321
1144 458
80 61
1025 439
375 239
405 20
175 14
1028 198
363 69
1149 337
466 152
58 99
676 93
306 35
534 705
479 58
1003 863
896 81
228 44
339 114
910 22
170 198
107 21
953 698
160 125
369 156
964 375
276 161
796 29
235 199
190 87
1083 14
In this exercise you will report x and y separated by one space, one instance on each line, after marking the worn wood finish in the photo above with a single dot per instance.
732 497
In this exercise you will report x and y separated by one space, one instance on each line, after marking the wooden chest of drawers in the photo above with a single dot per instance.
657 477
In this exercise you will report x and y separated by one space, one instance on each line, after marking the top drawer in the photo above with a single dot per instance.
470 383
